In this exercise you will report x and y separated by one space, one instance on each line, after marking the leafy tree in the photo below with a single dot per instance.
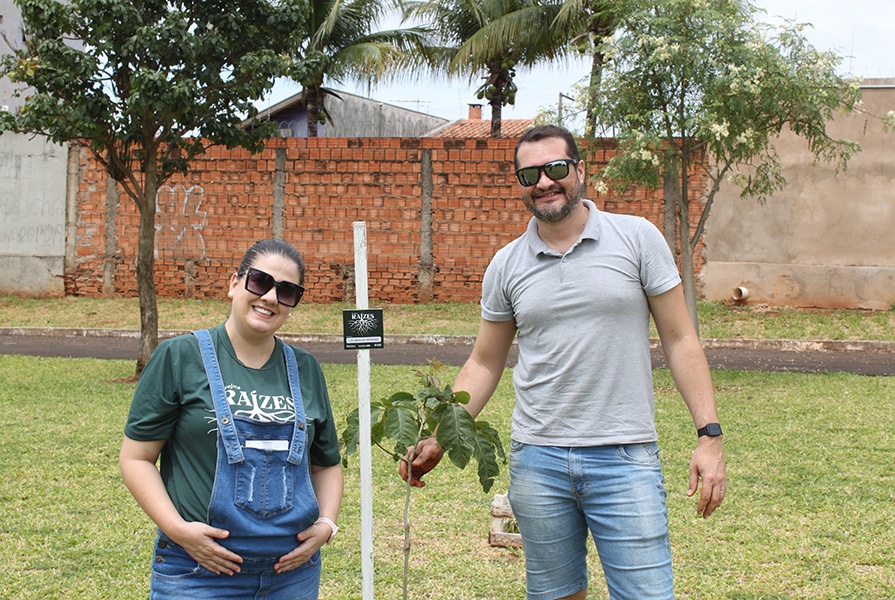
568 115
338 37
489 39
407 418
701 85
586 23
148 85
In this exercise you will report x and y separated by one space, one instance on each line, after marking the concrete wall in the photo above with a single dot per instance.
827 239
32 206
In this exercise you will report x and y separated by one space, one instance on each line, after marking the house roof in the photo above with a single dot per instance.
298 100
481 128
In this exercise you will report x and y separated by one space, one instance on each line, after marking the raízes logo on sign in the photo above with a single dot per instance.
362 328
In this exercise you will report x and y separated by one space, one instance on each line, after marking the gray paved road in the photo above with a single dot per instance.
744 359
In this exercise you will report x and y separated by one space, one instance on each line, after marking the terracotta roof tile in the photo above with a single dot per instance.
481 128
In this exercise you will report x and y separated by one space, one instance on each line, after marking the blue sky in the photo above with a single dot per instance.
862 31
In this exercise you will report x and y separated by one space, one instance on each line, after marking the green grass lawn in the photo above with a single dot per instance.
717 319
809 512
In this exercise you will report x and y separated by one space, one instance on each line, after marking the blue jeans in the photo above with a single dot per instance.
177 576
558 494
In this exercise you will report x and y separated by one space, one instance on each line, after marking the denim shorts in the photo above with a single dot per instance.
616 493
177 576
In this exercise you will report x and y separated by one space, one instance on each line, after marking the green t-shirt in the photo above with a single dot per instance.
173 402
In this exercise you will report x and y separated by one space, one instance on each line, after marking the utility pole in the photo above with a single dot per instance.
559 107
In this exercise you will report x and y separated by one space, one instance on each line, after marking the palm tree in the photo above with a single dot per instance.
489 39
339 44
586 23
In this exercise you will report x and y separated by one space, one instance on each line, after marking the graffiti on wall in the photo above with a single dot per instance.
180 220
31 226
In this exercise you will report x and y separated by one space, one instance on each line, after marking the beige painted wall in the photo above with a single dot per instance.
826 240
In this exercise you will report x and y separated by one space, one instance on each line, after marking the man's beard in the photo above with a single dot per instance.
573 199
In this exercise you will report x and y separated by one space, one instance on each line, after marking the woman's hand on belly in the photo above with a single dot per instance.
198 539
309 541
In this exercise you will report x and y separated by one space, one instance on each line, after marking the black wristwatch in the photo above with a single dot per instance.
711 430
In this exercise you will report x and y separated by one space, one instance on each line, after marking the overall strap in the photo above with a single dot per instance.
226 428
296 448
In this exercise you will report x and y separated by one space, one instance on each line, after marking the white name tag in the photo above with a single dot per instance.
269 445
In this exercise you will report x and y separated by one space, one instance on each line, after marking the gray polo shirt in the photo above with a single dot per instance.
584 376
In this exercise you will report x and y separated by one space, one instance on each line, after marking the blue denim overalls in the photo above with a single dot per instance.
262 495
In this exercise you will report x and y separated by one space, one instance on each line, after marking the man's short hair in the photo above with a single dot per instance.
543 132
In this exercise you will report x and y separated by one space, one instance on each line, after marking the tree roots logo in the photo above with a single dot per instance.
362 323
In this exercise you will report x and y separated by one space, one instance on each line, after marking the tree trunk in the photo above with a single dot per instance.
593 92
313 108
146 270
669 205
689 278
687 274
599 26
496 114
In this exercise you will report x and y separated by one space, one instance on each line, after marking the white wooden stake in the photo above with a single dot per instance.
363 412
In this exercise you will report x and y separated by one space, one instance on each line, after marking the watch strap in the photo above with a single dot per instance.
710 430
332 525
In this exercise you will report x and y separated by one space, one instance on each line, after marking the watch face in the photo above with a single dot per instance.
712 430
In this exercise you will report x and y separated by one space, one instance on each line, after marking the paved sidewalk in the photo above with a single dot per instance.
864 358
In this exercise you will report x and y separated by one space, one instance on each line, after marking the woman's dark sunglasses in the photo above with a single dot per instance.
555 170
259 283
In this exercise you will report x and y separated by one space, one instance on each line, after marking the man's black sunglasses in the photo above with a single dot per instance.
555 170
259 283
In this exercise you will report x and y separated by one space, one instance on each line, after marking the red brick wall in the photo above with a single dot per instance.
206 220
